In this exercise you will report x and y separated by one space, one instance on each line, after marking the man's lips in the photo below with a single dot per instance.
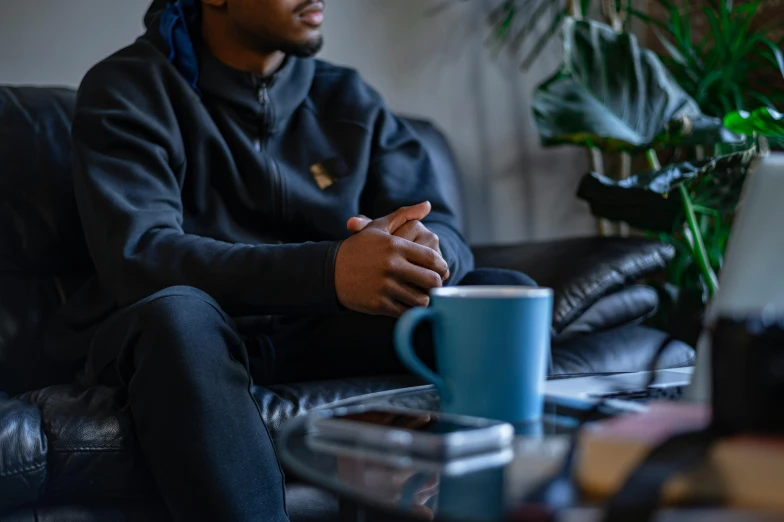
313 14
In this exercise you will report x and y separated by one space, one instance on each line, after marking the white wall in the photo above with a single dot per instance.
436 67
56 41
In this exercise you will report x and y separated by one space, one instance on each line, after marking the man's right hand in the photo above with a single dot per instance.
379 274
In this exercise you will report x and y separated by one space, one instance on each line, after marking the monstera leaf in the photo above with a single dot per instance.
612 94
649 200
762 122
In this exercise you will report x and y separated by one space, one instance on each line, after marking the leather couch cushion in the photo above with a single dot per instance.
444 164
281 403
26 301
40 230
43 255
22 453
92 449
582 270
628 349
628 306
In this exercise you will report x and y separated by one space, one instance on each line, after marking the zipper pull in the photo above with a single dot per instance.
264 97
266 109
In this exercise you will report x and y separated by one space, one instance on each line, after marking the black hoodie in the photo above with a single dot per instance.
234 184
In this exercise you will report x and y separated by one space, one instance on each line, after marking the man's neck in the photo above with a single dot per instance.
220 41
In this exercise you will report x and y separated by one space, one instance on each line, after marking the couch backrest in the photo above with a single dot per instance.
42 250
43 255
40 230
445 166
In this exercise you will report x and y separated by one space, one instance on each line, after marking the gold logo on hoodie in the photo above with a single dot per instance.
322 176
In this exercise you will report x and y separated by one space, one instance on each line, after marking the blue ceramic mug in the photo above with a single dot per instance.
492 346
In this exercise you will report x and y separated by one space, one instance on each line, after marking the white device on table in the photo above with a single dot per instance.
427 434
750 282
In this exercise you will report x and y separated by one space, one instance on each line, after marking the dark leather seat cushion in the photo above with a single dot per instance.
23 452
66 443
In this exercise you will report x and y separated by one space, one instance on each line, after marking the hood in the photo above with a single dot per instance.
155 9
175 21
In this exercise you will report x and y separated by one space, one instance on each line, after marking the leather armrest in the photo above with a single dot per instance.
582 270
621 350
23 453
75 444
630 306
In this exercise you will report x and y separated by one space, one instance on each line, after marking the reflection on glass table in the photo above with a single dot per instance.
478 487
498 486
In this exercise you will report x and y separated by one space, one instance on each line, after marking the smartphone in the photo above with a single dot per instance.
457 466
417 432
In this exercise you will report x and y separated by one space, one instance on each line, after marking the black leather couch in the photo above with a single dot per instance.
69 453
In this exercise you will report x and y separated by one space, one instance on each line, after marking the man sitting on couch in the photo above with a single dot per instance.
222 176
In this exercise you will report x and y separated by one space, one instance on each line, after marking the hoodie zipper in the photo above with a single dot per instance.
266 130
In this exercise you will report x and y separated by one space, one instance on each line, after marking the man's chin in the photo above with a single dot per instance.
305 49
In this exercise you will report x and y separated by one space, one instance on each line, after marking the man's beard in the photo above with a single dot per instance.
303 50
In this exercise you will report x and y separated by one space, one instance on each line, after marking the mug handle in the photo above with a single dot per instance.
404 333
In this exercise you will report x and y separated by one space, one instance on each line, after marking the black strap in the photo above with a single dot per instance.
640 497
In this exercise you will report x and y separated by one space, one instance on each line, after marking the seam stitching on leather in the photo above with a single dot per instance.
19 471
66 449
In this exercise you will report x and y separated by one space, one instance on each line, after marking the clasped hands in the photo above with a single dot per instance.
389 264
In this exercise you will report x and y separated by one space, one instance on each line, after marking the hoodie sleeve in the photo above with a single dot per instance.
128 171
402 174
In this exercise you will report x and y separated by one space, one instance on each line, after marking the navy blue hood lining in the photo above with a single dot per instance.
177 19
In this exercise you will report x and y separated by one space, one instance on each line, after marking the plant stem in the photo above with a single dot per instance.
626 172
653 159
700 255
597 165
698 249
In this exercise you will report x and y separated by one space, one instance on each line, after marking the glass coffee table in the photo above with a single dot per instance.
503 486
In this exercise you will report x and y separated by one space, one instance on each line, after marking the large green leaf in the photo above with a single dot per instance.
647 200
762 122
612 94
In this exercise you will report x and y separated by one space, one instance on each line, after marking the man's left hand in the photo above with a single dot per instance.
414 231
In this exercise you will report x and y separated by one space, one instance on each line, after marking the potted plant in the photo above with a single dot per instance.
618 99
613 96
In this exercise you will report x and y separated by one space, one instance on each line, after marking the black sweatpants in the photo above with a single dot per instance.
188 368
